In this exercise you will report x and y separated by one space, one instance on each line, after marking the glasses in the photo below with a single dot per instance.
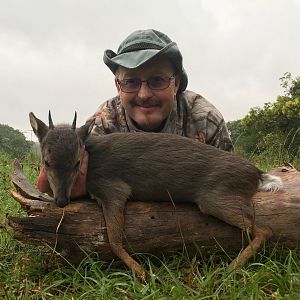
133 85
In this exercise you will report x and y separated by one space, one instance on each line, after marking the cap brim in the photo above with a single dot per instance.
140 57
129 61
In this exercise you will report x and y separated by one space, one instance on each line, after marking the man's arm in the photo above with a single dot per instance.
217 133
206 123
109 117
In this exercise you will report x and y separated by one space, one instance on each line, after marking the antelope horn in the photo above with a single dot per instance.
51 126
74 121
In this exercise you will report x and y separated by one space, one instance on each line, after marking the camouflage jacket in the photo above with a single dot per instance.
192 116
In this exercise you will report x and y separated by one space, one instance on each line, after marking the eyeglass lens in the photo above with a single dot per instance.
155 83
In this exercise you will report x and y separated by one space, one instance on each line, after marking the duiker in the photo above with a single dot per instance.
154 166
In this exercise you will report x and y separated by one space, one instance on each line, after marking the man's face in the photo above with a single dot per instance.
149 108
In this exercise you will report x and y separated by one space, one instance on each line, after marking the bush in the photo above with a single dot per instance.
13 142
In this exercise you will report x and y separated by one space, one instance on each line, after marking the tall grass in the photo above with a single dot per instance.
273 150
31 272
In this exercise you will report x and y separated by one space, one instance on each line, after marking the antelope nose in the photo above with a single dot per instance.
61 202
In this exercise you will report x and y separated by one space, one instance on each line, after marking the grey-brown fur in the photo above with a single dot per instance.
159 167
60 148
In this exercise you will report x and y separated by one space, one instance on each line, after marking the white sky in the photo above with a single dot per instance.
51 52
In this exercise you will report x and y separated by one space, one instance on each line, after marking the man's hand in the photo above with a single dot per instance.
79 187
42 182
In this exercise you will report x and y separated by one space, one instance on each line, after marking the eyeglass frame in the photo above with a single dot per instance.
169 78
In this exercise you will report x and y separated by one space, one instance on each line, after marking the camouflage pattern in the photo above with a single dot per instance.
192 116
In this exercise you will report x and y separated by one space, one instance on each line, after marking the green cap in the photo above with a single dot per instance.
140 47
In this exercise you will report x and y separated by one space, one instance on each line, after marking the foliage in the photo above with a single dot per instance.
275 126
13 142
236 130
290 85
5 169
29 272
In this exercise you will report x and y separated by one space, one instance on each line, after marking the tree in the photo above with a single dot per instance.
276 125
236 130
291 85
271 133
13 142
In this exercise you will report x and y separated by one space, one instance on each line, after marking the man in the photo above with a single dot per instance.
151 84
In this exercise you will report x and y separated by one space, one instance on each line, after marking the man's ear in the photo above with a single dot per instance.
40 129
86 129
117 85
177 82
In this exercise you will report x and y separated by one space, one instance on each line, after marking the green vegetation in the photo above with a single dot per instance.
272 134
13 142
32 272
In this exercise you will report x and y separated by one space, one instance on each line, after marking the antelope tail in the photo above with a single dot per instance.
270 183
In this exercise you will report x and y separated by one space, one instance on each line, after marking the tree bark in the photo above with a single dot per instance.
151 227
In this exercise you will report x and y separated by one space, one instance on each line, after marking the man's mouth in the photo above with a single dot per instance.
147 104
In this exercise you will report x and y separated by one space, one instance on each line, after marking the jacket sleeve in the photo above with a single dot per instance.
208 123
217 132
107 118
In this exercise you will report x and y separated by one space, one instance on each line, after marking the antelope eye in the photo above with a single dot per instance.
46 163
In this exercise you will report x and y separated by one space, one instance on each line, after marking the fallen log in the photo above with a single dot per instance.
150 227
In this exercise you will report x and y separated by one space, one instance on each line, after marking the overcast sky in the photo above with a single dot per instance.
51 52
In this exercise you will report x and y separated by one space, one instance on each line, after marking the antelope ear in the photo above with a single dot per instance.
86 129
40 129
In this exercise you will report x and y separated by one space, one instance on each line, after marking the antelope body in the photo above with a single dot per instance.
153 167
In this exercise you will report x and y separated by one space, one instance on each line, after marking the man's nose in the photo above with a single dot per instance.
144 91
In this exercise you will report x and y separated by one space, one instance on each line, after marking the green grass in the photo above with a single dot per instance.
31 272
277 152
